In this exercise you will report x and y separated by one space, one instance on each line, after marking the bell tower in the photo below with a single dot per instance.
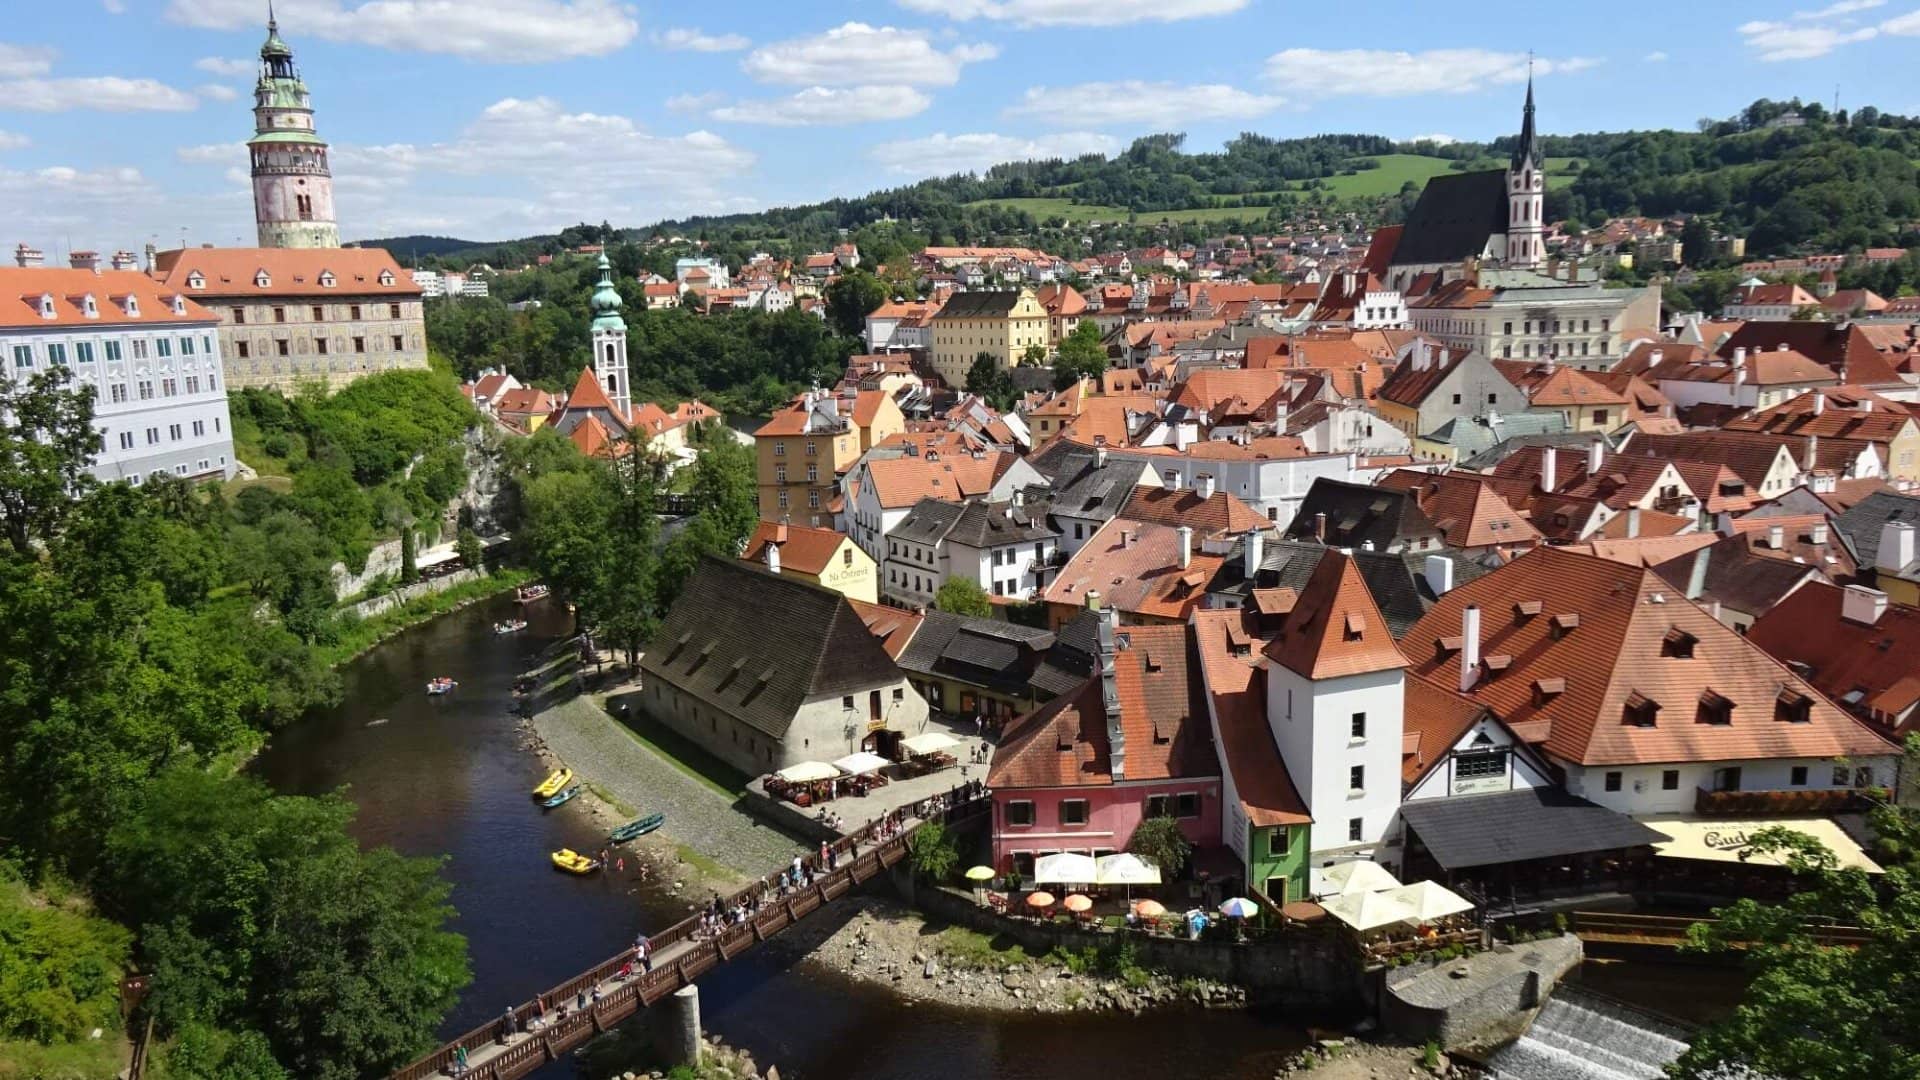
1526 192
610 341
292 183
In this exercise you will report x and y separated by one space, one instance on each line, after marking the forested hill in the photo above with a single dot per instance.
1828 180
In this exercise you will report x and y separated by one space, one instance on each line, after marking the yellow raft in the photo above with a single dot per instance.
573 862
553 783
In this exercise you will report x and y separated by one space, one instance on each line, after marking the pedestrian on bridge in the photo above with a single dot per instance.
459 1061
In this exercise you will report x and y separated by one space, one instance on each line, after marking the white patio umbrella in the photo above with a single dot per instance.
1124 868
1429 900
1064 868
1359 876
808 771
861 761
929 742
1368 910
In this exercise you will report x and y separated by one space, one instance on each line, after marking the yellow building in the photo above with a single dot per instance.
801 452
822 556
1003 323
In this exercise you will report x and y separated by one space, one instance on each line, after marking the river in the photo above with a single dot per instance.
446 776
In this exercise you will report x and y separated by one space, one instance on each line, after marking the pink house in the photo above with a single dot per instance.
1083 771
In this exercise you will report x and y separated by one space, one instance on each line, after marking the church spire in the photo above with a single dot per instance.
1527 150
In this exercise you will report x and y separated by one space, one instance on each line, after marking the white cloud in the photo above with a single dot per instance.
114 7
108 93
1844 7
216 91
695 41
1075 12
943 154
20 61
13 140
212 153
1435 139
1387 73
1655 57
224 66
694 103
819 106
1134 102
1907 25
500 31
857 54
1785 41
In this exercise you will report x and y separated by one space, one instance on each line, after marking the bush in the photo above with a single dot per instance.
60 969
934 851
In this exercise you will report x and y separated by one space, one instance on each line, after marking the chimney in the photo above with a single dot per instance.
84 260
1174 481
1777 537
1896 547
1633 523
1255 550
1740 358
1697 577
124 260
1203 484
1127 537
1549 467
1469 648
152 254
1186 546
772 553
1813 452
1099 457
1859 604
1819 403
1320 527
1182 437
1110 696
1093 599
24 256
1596 457
1439 574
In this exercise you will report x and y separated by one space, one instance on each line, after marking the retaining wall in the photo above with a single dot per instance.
1494 1002
367 609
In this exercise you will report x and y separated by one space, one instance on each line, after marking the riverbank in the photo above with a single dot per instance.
707 844
877 940
359 638
1355 1059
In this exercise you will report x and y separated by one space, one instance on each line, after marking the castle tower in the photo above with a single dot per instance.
610 341
292 186
1526 192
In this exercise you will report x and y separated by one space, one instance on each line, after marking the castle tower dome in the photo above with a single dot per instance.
610 340
292 182
1526 193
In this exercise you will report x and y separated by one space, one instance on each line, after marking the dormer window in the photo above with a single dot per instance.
1714 708
1640 710
1356 626
178 303
1678 644
1444 647
1562 625
133 306
46 306
326 279
262 280
1545 690
1526 609
1793 707
386 277
196 280
1495 664
89 307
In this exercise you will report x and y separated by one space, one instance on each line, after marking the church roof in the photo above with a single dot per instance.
1455 215
1527 149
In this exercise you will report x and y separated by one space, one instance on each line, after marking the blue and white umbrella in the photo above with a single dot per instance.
1240 908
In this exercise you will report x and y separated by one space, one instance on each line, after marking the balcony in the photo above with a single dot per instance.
1794 801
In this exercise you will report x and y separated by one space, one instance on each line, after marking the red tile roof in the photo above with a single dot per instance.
1135 567
1466 509
22 288
1223 514
807 550
231 273
1878 665
1236 688
1433 722
1335 628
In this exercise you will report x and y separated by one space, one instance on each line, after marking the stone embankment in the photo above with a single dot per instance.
1355 1059
881 942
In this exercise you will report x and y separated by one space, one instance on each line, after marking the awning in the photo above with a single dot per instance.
1370 910
807 771
929 742
1717 839
862 761
1358 876
1465 831
1429 901
1065 868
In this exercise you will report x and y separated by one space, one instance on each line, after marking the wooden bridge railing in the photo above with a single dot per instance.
642 989
1637 929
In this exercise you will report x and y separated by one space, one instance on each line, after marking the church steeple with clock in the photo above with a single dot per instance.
292 183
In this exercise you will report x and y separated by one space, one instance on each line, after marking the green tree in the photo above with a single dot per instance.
261 912
47 440
626 598
1160 841
934 851
467 546
60 968
409 562
1081 356
962 596
987 379
850 298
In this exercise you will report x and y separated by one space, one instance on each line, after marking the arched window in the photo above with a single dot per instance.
609 352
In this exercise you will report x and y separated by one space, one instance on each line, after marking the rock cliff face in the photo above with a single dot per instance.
484 502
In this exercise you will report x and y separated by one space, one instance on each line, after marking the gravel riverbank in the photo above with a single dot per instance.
879 941
724 845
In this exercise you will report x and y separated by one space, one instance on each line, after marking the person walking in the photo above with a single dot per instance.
460 1061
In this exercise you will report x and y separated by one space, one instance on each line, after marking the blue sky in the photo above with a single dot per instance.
121 121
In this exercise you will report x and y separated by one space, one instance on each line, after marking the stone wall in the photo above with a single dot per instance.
1310 969
1487 998
367 609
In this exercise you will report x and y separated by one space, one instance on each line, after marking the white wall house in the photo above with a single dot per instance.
152 359
1275 486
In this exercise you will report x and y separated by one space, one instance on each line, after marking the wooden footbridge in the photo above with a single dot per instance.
555 1023
1624 928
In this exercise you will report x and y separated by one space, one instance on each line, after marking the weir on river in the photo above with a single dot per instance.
1583 1036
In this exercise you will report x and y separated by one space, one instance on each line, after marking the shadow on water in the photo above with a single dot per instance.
447 776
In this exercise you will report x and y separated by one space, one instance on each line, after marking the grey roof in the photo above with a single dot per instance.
1473 434
1466 831
1863 522
990 653
756 645
1485 460
1358 514
929 521
1397 582
986 525
984 304
1455 215
1738 578
1081 487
